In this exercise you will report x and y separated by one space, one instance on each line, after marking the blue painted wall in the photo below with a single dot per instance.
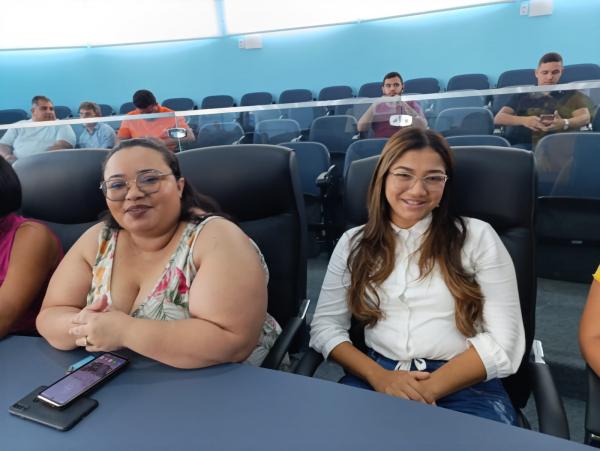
486 39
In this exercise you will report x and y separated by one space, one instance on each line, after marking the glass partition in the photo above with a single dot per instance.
553 122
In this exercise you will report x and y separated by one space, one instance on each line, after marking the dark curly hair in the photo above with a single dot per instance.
10 189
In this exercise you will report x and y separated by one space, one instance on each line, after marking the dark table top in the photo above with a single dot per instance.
237 407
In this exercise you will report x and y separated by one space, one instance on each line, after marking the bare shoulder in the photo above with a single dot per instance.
87 244
221 232
36 236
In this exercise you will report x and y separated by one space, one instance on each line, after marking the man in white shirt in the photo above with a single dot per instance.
22 142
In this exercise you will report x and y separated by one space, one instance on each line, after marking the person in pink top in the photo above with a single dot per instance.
29 253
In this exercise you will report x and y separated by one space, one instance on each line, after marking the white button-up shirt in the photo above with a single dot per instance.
418 320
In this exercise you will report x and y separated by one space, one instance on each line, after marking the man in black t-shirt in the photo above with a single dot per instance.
530 116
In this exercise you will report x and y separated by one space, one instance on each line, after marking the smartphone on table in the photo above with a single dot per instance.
31 408
76 384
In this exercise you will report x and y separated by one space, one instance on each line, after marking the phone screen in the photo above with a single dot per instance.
78 382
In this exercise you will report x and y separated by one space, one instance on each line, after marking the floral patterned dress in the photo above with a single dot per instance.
169 300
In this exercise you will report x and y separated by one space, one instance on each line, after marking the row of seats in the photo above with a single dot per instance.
424 85
337 131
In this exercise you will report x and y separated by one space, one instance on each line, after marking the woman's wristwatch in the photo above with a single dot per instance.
566 124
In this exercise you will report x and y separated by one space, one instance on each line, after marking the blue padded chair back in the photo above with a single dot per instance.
248 119
304 116
471 99
336 92
105 109
219 101
496 185
259 187
127 107
276 131
516 77
364 148
477 140
468 81
426 85
295 95
179 104
212 102
465 121
580 72
313 159
219 134
61 188
567 165
356 109
62 112
336 132
254 117
256 98
11 116
372 90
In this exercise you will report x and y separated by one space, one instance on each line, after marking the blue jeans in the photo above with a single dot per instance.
485 399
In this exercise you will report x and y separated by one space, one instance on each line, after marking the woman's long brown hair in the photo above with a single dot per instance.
372 257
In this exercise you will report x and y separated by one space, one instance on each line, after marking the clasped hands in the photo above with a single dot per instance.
536 123
97 327
411 385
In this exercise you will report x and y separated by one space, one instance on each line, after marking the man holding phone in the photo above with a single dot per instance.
530 116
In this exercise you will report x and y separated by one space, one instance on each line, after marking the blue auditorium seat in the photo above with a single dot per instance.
314 166
336 93
304 116
516 77
105 109
10 116
295 95
477 140
426 85
248 120
468 81
336 132
256 98
580 72
471 98
127 107
465 121
364 148
276 131
212 102
218 101
355 109
62 112
219 134
568 225
179 104
372 90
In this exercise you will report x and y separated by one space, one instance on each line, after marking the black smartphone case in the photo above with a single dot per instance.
31 408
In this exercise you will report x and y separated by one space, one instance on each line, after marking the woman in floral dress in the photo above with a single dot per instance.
163 275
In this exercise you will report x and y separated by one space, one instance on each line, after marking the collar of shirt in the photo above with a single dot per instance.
416 231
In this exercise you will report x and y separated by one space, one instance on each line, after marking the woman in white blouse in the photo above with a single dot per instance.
436 292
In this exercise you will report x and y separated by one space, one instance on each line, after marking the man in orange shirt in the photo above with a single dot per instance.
145 103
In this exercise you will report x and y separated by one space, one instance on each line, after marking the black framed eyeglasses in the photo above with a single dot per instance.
116 188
